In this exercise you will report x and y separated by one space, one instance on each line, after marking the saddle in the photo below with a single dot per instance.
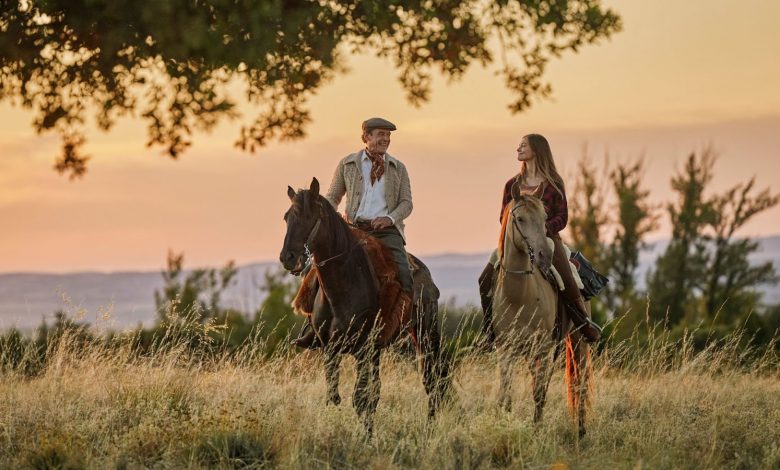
555 277
394 304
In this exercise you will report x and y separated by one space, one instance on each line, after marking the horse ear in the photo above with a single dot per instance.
315 187
516 190
291 193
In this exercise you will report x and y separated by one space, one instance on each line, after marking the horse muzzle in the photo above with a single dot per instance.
292 262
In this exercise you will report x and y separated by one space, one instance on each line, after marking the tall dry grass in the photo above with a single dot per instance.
662 406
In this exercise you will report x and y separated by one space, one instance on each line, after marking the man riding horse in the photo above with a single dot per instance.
379 198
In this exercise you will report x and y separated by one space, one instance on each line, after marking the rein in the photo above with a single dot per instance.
310 239
531 255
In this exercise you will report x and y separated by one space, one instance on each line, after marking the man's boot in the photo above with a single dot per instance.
486 299
307 339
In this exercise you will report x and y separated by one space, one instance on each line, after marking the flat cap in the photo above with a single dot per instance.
377 123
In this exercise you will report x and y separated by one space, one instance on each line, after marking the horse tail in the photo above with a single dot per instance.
578 373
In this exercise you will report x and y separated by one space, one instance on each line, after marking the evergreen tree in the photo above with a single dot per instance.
676 281
587 216
587 222
636 219
731 280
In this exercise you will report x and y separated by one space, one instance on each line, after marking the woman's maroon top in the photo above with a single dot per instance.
554 204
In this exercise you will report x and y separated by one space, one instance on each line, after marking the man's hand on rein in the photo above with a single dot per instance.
381 223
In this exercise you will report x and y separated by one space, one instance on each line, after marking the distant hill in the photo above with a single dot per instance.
27 298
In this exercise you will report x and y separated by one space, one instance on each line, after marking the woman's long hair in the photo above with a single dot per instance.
545 164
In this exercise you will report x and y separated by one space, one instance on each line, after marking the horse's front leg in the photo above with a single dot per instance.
367 387
505 366
541 372
332 363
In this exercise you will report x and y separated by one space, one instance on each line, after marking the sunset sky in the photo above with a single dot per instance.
680 77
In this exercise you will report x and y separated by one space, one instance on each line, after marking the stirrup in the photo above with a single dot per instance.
307 339
590 330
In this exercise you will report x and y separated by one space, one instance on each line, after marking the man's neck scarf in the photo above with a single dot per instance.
377 166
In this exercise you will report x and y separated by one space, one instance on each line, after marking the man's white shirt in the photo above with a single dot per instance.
373 203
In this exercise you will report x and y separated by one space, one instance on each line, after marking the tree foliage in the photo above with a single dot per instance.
172 62
276 320
731 278
195 293
587 215
587 222
636 218
680 270
705 274
705 284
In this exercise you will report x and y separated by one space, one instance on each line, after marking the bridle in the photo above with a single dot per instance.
531 255
310 240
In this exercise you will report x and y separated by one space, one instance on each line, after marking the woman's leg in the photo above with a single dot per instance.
572 296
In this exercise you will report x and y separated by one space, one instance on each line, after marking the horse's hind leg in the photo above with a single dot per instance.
435 365
332 363
367 387
582 352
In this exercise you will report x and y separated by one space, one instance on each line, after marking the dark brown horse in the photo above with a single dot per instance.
365 309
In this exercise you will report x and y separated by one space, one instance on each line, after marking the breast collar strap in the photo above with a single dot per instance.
524 272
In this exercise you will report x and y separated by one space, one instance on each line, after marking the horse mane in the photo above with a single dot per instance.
502 232
535 204
342 235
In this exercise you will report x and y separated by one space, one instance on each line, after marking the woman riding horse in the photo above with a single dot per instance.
528 320
539 177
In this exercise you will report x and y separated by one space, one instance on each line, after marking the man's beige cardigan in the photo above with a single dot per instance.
348 179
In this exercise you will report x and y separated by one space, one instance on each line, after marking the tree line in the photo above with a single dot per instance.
703 287
703 283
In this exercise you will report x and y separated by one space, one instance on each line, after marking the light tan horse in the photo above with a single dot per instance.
524 311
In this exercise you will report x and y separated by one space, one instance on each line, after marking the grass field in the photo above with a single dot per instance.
665 407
